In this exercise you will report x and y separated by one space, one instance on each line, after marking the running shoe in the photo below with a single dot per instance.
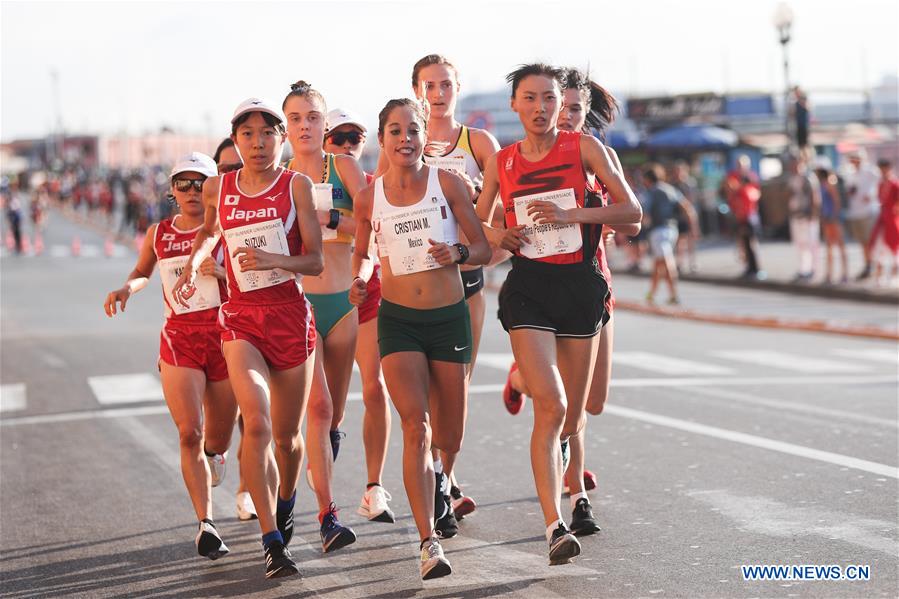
217 467
374 505
433 563
209 543
334 534
566 454
463 505
284 520
278 561
563 546
512 399
582 521
447 527
589 480
336 436
440 505
245 508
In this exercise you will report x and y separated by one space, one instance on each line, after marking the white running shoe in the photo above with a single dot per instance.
433 563
374 505
217 467
245 508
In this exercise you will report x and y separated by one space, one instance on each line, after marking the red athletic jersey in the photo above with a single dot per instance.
560 169
238 209
172 242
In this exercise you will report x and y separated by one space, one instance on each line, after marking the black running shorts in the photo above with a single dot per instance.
472 281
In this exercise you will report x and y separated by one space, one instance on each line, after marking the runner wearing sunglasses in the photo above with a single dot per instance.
346 135
226 157
191 366
552 302
463 150
266 216
424 331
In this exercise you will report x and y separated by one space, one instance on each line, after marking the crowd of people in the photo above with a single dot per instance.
278 276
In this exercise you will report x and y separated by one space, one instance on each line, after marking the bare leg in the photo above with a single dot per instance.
376 421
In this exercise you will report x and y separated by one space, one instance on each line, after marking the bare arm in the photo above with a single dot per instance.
353 177
631 229
498 237
460 203
362 264
204 241
137 278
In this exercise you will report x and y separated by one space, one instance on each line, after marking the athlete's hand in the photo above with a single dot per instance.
358 291
256 259
444 254
211 268
119 295
185 283
514 238
549 212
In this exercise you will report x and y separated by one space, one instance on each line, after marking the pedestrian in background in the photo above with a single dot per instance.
804 207
743 196
831 219
660 219
885 235
862 205
687 230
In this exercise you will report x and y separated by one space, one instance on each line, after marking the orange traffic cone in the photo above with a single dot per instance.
76 246
108 248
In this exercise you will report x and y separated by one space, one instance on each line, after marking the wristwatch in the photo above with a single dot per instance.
463 253
333 218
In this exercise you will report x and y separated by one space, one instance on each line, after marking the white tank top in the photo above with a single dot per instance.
382 210
460 157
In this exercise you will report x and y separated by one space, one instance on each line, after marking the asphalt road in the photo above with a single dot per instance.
721 447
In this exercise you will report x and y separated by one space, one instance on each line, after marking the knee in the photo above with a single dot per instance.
257 429
288 441
190 436
549 407
596 402
320 409
570 429
374 395
449 441
417 434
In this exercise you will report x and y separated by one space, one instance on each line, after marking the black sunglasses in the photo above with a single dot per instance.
183 185
341 137
228 167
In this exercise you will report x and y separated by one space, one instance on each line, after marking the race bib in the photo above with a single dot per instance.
267 236
406 235
548 239
202 295
450 163
324 201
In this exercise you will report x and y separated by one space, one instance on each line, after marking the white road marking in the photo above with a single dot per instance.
666 364
889 356
125 388
780 405
499 361
12 397
755 441
790 361
762 515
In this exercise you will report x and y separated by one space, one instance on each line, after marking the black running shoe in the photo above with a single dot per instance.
582 521
209 543
334 534
440 505
336 436
563 546
447 527
278 562
284 520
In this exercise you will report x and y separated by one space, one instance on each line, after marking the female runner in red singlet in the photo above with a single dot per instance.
552 302
191 366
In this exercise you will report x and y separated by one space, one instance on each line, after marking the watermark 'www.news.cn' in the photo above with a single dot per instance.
806 572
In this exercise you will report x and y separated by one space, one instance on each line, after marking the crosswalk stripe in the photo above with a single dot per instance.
789 361
125 388
12 397
665 364
889 356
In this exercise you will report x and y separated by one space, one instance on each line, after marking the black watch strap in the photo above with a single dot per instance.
333 218
463 253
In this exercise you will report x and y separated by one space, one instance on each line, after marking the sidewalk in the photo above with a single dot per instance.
719 264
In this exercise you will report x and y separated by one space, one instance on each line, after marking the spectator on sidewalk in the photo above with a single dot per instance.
660 220
885 235
863 208
804 207
14 207
687 230
743 194
831 219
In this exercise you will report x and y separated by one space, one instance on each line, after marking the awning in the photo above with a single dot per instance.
706 137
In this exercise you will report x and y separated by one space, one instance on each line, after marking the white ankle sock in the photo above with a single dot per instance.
577 496
551 528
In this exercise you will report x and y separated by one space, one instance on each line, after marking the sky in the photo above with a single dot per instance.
133 67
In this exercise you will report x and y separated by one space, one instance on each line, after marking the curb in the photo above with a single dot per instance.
813 326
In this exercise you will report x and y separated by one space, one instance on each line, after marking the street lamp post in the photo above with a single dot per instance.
783 21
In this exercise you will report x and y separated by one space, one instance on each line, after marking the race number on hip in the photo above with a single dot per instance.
406 234
267 236
202 295
548 239
325 201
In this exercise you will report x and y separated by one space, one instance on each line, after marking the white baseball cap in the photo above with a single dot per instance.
195 162
256 105
339 116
